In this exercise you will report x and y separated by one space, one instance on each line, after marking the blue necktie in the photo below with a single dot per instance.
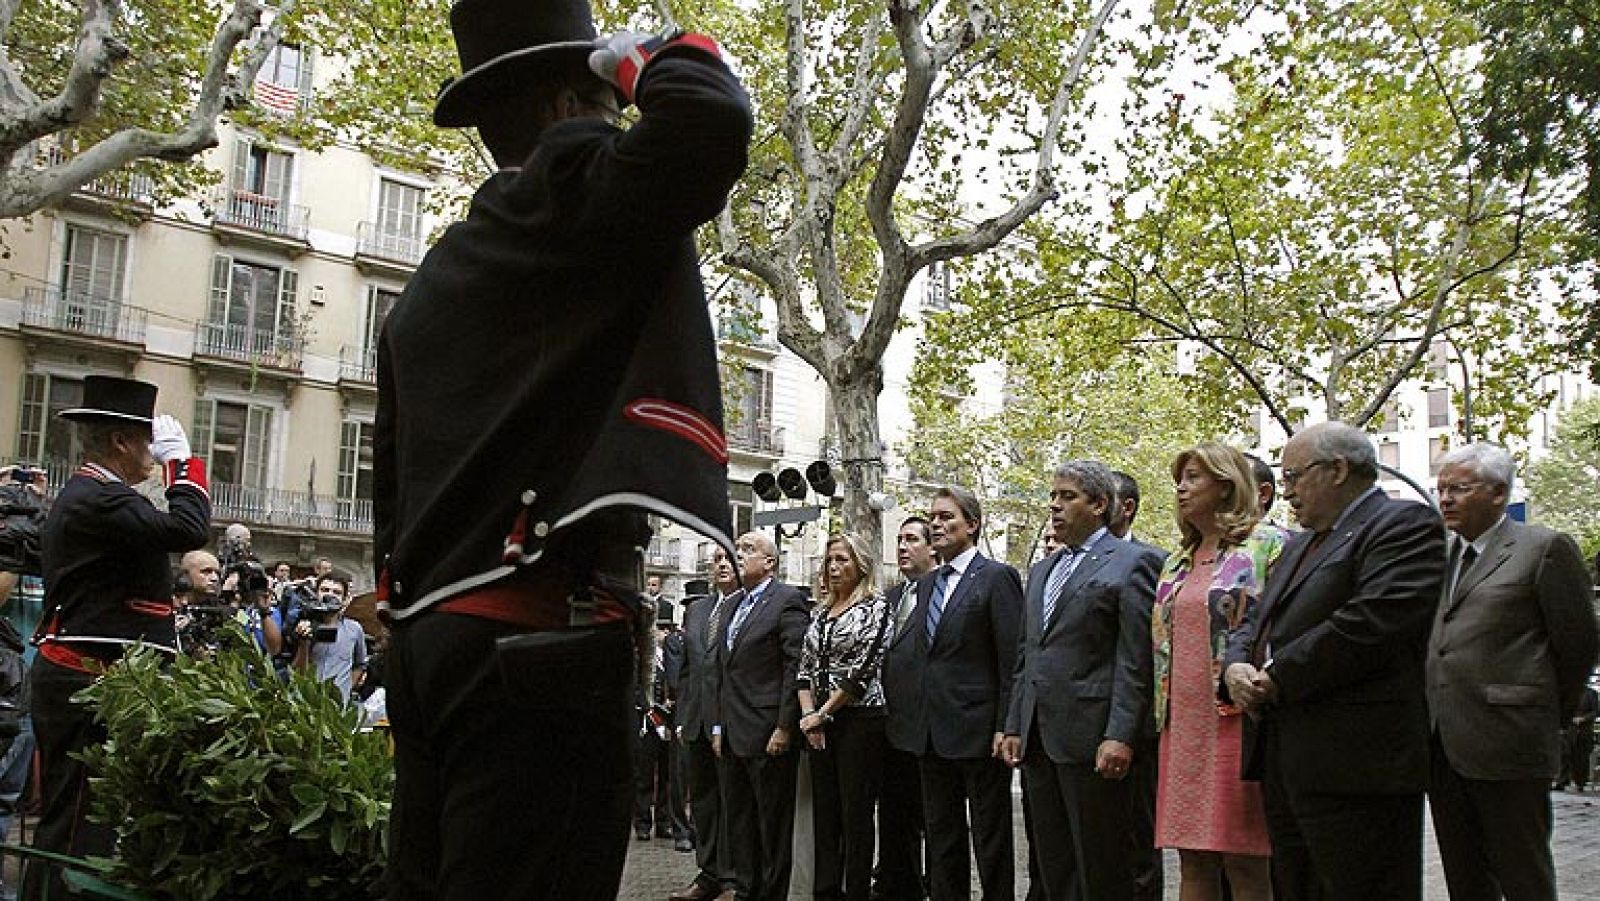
1056 582
740 614
936 603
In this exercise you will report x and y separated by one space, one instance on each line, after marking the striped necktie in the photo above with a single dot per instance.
936 603
1056 582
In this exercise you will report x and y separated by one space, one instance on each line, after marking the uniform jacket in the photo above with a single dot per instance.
551 363
1085 676
1347 629
950 698
107 570
756 693
1510 654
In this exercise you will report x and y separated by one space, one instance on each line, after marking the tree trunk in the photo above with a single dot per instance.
855 411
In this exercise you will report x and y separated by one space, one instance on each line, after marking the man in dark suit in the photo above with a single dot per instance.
1082 692
1330 662
1145 772
899 874
948 685
1513 643
703 623
758 714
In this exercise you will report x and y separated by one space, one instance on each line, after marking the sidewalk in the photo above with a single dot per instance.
654 870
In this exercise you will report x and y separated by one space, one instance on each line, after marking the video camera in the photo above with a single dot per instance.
323 614
249 580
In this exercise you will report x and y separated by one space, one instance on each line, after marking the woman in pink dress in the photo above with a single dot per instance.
1203 809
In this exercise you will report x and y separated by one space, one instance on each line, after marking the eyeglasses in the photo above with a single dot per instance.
1458 489
1292 476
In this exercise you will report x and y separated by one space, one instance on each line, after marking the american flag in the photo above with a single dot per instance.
277 98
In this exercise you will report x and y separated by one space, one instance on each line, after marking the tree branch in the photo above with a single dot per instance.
867 83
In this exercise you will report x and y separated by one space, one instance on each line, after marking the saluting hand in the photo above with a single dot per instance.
167 440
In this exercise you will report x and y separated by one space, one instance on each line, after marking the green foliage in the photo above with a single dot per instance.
1540 110
1071 393
1319 227
1564 485
222 784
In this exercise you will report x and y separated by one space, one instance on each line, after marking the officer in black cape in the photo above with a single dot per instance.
108 586
547 381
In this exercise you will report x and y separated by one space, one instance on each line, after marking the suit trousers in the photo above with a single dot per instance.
758 808
1340 846
900 860
657 796
949 789
1148 864
512 760
1084 824
62 729
1494 836
845 784
705 813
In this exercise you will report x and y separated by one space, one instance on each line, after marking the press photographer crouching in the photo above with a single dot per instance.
327 641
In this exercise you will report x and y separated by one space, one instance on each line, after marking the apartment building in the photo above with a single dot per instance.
254 309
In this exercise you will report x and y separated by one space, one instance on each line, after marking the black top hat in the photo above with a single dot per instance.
108 397
506 42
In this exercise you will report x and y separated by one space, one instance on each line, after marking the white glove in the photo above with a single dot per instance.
167 440
612 51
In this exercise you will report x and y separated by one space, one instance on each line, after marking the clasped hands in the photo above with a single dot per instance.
1251 689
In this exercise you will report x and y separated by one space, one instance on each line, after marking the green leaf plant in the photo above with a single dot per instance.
224 782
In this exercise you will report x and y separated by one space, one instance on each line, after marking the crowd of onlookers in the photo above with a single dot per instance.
1274 705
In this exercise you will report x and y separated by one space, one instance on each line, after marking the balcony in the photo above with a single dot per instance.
358 365
269 222
249 347
745 337
663 553
115 191
759 437
83 318
290 510
386 251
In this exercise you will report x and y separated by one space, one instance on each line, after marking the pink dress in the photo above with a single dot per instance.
1202 804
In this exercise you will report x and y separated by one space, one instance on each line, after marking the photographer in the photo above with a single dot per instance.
326 640
251 592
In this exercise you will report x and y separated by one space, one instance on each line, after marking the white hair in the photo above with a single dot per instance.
1489 461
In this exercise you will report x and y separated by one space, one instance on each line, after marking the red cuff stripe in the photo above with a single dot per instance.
190 472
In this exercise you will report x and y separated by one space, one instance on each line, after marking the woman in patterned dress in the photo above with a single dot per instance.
1203 809
841 696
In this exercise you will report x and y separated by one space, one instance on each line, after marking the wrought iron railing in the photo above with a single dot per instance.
389 244
261 213
82 313
358 364
289 509
246 344
120 185
759 436
663 552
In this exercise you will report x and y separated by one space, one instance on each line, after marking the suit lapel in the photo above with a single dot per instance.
750 620
1097 557
1498 552
902 628
1307 560
963 589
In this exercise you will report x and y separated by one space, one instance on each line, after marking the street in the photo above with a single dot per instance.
654 870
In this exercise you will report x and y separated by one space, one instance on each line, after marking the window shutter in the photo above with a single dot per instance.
30 425
221 280
258 426
241 165
303 85
276 184
201 427
288 294
766 398
349 447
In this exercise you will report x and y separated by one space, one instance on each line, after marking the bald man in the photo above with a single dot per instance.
204 573
758 717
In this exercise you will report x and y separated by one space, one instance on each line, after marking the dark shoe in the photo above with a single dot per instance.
694 891
642 834
684 844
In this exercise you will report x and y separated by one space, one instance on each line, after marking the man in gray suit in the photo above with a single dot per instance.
1082 692
1513 641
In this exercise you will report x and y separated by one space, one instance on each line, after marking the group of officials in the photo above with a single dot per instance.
1385 656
